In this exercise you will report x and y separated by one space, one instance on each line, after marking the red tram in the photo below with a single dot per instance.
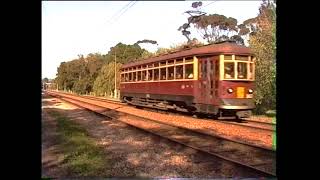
215 79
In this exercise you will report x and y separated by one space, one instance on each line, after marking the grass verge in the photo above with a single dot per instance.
82 156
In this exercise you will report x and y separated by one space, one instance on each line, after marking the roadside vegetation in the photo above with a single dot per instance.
82 157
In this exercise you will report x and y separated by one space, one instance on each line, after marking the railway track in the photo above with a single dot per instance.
258 159
251 124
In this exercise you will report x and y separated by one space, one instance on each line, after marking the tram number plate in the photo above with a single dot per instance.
240 92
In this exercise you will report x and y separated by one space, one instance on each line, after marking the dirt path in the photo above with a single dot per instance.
51 154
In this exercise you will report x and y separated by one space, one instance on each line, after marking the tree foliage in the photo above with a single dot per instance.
214 27
45 80
125 53
263 44
104 83
81 74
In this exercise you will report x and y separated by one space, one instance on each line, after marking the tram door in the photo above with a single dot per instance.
207 80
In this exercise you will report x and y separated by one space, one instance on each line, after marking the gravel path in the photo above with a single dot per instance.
252 136
134 153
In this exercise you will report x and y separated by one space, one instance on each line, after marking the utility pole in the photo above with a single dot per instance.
115 74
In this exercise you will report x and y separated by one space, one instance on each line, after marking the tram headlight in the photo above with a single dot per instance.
250 91
230 90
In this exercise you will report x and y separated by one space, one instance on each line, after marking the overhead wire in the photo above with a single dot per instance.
110 20
125 10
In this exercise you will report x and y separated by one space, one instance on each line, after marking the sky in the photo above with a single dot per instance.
71 28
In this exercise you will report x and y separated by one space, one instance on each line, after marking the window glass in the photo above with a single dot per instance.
150 75
143 75
163 63
156 74
211 68
170 62
242 58
134 76
163 74
179 72
200 69
126 77
217 69
178 61
227 57
190 59
130 76
251 71
204 69
229 70
242 70
139 75
189 71
170 73
122 77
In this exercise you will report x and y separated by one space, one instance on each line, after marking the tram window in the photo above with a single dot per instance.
126 77
150 75
204 68
156 64
122 77
242 58
156 74
242 70
212 68
251 71
163 75
229 70
179 61
170 62
143 75
150 65
134 76
130 76
179 72
190 59
170 73
139 75
217 69
227 57
189 71
163 63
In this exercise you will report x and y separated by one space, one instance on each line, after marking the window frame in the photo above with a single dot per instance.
250 61
161 65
